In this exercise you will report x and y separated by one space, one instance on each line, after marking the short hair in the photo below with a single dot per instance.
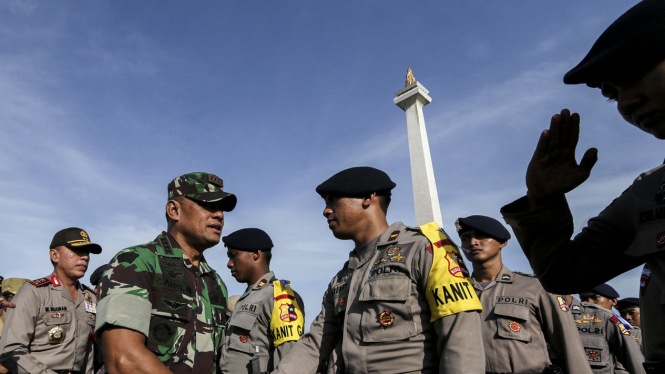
267 255
384 200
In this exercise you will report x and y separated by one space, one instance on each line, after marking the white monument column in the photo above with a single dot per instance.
412 98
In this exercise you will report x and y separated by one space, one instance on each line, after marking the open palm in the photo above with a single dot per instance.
553 170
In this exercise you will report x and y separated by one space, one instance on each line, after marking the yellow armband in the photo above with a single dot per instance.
449 289
287 321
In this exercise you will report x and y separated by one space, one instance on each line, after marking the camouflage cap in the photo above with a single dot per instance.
204 187
11 285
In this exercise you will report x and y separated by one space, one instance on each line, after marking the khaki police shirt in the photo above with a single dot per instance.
248 334
636 333
39 310
520 319
379 311
609 347
628 233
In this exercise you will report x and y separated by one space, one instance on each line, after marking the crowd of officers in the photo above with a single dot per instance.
405 301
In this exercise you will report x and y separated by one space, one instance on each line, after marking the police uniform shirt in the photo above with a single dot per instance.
48 331
377 307
608 344
636 333
248 334
520 319
629 232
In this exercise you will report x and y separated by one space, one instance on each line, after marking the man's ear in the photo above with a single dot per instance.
256 255
369 200
503 245
54 254
173 210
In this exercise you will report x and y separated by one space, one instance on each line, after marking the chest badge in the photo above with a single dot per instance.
244 338
341 302
393 250
593 355
397 257
588 318
56 335
514 326
57 315
386 319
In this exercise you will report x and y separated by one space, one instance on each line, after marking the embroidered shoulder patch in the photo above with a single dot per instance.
40 282
623 328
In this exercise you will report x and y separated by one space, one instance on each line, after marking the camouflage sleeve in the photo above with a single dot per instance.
125 291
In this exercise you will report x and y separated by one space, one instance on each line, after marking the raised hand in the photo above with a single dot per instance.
4 303
553 170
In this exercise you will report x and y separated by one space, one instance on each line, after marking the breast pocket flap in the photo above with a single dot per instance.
387 288
57 318
243 320
512 311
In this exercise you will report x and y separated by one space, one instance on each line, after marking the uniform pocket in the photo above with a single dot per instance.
386 312
595 349
240 325
57 318
170 316
512 322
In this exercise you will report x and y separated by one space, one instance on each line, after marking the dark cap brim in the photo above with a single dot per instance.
630 47
228 200
92 247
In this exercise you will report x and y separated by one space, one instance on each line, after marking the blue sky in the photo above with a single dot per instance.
103 103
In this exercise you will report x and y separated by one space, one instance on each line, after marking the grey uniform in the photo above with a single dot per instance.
520 319
636 333
45 310
248 334
608 344
377 307
629 232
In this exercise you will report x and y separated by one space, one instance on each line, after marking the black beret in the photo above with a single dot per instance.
606 290
628 49
488 225
627 303
97 274
356 182
250 239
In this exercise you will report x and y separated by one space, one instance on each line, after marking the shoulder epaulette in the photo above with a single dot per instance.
86 288
40 282
525 274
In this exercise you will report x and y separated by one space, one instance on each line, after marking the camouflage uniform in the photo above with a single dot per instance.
180 308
